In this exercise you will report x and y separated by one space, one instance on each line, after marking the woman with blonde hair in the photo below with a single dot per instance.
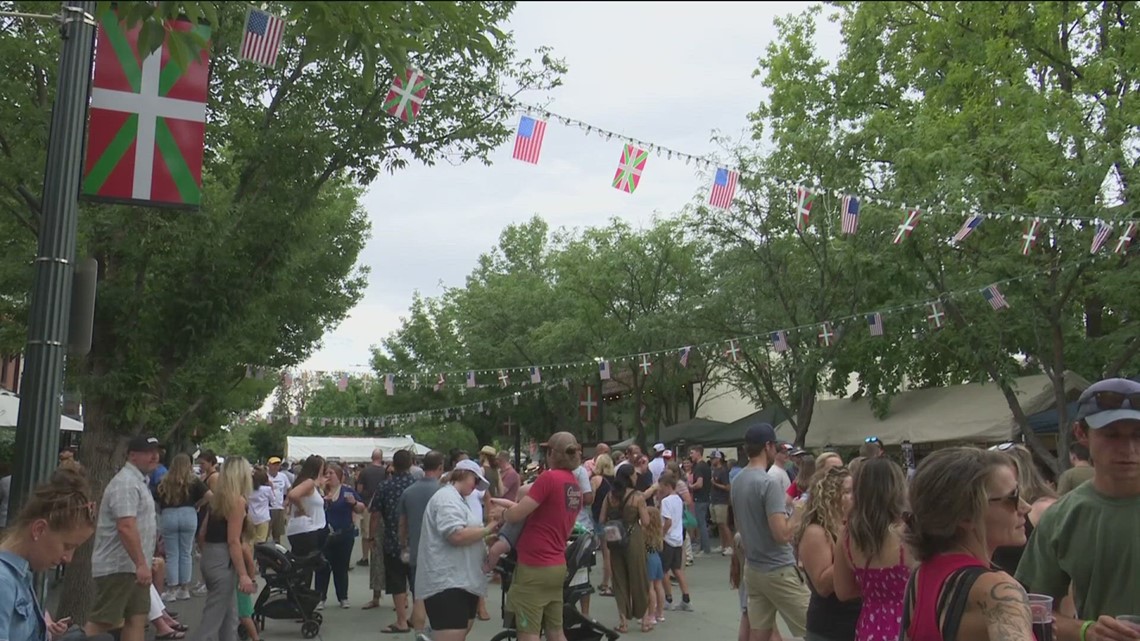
224 563
602 482
1034 491
965 503
179 494
828 460
825 511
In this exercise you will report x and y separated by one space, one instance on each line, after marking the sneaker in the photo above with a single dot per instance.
344 605
170 595
669 606
321 605
684 607
182 594
717 550
726 552
422 636
199 590
661 619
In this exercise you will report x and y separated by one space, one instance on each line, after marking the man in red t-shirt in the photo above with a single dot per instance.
549 510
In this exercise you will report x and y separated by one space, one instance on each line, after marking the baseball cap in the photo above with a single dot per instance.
273 460
797 451
760 434
660 447
1108 401
717 454
667 454
472 466
489 450
143 444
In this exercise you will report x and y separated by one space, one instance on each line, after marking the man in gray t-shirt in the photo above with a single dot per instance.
411 506
773 582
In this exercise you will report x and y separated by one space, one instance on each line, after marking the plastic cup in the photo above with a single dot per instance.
1041 606
1132 620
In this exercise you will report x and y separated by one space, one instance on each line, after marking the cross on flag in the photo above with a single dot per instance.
994 297
849 216
406 95
646 365
826 335
909 223
733 351
504 379
804 200
779 341
1029 238
936 316
723 189
1125 239
588 404
632 163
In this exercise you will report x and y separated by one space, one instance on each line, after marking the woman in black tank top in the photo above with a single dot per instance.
829 499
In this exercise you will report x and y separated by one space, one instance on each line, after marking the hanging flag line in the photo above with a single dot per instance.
708 163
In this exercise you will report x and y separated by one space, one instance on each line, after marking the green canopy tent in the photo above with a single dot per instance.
702 431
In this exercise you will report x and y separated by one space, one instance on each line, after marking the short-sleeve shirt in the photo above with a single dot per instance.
197 491
673 509
369 479
281 485
585 516
21 618
780 475
126 496
719 496
1073 477
511 483
543 539
702 470
411 506
657 468
1092 541
441 565
755 495
385 501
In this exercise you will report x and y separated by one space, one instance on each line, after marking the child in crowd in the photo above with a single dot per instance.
654 542
245 601
259 505
672 558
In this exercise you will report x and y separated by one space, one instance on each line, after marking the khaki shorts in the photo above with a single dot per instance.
261 532
782 591
719 514
277 523
535 598
117 599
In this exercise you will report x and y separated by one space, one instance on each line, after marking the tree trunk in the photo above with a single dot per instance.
102 453
803 415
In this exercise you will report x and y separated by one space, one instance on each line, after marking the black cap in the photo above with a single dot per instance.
760 434
143 444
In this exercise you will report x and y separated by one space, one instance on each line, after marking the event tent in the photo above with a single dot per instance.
10 410
349 449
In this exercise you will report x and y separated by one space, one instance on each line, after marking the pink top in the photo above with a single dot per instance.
930 578
883 592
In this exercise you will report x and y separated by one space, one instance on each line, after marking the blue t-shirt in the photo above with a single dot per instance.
21 618
338 513
156 476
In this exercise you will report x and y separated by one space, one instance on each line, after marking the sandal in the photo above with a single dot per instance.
392 629
605 590
646 627
371 605
173 635
179 627
484 616
622 628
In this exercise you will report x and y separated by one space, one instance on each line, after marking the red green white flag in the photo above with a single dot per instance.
628 175
407 95
147 122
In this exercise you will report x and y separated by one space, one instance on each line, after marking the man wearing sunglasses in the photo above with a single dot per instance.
1091 537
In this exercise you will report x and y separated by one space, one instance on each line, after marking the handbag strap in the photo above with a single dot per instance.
621 507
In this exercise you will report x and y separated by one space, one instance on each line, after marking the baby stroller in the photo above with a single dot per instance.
286 594
579 556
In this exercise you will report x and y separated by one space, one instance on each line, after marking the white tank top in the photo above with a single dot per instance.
312 519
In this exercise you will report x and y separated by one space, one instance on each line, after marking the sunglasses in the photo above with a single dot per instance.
872 439
1115 400
1004 447
1011 500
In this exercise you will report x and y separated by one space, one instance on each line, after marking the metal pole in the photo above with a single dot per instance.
518 446
37 428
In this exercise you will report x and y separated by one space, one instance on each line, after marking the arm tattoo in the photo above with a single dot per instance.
1006 612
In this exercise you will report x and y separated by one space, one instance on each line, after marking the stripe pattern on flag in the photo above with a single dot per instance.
994 297
528 140
875 323
968 227
849 216
261 42
1103 231
723 188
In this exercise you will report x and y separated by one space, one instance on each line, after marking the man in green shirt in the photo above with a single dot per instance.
1080 471
1091 537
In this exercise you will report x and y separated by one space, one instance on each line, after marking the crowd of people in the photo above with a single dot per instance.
969 544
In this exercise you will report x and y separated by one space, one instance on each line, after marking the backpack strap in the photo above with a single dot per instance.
954 599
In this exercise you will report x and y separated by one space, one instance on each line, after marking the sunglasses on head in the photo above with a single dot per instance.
1004 447
1116 400
1012 499
872 439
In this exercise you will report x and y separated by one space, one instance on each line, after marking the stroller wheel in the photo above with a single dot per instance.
318 617
310 629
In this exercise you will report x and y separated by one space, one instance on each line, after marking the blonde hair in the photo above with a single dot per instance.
826 455
65 502
604 465
563 452
654 534
234 484
949 487
174 488
1031 484
825 504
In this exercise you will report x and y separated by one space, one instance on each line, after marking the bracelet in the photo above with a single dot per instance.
1085 629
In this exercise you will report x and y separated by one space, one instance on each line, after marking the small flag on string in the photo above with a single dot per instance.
968 227
294 419
390 384
528 141
286 380
604 370
1103 231
909 223
535 375
504 379
440 383
1125 239
416 383
804 200
875 322
646 364
936 317
684 355
849 218
588 404
826 335
733 351
994 297
1029 238
407 95
723 188
779 341
471 379
632 163
261 41
516 398
342 382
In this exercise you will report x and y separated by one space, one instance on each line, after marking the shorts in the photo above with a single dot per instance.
412 579
261 532
653 567
783 591
397 574
244 605
719 513
118 598
535 598
365 526
277 522
452 609
672 558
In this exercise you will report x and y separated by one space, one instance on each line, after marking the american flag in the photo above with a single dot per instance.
909 223
804 199
968 227
535 375
440 383
875 322
779 341
723 189
471 379
604 370
850 215
342 382
1103 231
528 141
684 356
1029 238
262 40
993 296
390 384
1125 238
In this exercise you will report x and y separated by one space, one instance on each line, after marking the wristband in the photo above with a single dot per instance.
1085 629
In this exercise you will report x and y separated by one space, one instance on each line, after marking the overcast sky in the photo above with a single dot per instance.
666 73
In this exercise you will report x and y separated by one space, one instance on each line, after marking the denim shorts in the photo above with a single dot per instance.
653 567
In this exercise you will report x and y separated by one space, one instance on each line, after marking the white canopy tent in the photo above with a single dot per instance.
10 410
349 449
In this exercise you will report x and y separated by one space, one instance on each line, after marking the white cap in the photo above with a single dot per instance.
472 466
660 447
